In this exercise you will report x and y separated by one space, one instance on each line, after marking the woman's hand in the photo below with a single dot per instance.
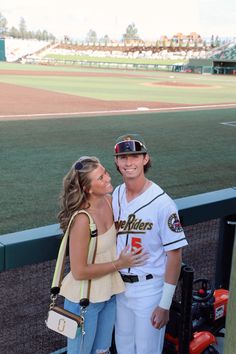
134 258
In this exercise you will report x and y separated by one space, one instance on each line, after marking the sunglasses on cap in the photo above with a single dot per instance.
129 146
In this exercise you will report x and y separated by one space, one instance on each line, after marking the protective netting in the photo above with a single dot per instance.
202 249
25 294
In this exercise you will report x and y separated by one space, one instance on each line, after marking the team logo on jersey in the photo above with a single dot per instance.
133 225
174 223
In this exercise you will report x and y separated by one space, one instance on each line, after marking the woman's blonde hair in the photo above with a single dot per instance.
75 189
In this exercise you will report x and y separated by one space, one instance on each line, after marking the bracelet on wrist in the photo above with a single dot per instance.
114 266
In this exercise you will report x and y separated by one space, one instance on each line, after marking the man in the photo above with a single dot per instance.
146 218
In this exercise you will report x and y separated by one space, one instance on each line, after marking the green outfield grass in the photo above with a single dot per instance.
139 86
191 151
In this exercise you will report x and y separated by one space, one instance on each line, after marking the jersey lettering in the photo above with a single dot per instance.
133 224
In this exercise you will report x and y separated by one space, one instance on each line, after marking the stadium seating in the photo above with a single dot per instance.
19 48
226 52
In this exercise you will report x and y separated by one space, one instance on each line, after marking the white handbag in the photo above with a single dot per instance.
59 319
64 322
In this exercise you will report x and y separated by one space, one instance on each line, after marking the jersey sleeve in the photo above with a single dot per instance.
171 232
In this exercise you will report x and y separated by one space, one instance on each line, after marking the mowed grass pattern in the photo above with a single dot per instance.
192 152
179 88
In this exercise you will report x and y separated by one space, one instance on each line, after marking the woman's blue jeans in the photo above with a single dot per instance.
99 324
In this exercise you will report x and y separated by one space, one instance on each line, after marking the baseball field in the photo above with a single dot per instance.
50 116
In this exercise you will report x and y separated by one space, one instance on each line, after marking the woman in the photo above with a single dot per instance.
87 187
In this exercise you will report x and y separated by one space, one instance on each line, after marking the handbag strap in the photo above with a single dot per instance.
60 263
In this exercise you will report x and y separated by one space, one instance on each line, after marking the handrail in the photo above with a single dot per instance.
41 244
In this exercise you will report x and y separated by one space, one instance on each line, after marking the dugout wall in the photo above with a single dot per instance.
212 66
200 66
224 67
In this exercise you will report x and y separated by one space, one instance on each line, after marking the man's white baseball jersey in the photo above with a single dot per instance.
150 220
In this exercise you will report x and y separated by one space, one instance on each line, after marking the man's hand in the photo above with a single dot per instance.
160 317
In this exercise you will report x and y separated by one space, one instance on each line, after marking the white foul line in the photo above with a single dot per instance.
164 109
232 124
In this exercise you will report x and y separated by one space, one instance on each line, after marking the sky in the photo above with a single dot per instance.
152 18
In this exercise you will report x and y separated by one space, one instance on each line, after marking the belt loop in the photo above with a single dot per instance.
149 276
132 278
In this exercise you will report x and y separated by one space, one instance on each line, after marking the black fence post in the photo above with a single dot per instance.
224 252
186 310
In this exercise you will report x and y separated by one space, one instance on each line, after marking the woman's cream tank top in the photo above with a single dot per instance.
101 288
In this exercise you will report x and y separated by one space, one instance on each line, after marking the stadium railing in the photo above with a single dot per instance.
100 64
184 68
27 261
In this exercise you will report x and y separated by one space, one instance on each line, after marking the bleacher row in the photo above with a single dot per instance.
228 52
162 54
16 49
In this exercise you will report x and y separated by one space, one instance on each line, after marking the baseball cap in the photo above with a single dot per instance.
130 144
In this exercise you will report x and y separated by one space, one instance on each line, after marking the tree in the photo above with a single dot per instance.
38 35
217 41
22 31
181 43
212 41
30 34
14 33
3 25
164 43
44 35
105 39
196 43
22 28
91 36
172 44
131 33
